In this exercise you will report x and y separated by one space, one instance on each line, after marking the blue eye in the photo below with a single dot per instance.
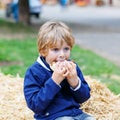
66 48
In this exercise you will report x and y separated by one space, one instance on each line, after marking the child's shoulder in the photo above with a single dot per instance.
34 67
37 68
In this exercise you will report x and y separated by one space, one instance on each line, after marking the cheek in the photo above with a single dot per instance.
68 54
51 57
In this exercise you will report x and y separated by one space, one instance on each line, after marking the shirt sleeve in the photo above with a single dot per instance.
79 85
82 92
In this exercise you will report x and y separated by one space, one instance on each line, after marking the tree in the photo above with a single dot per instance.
24 15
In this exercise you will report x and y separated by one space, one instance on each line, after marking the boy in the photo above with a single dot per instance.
56 94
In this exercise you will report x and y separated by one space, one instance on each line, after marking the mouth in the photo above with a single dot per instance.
61 60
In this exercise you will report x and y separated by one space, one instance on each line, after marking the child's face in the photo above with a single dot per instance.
58 53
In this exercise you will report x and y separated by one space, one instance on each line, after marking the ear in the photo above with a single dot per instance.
44 52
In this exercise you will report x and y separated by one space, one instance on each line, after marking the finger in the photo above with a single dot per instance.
66 73
69 66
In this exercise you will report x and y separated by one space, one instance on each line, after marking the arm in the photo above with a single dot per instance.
82 94
37 95
75 79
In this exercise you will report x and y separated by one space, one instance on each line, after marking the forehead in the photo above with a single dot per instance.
60 44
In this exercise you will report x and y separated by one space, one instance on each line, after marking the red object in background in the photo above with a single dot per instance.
82 2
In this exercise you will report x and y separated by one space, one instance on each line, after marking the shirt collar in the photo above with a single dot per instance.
41 60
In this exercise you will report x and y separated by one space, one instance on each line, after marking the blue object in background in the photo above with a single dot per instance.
63 2
15 11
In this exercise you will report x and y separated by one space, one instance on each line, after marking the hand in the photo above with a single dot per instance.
59 73
72 77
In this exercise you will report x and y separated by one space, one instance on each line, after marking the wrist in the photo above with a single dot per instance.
57 79
74 82
75 85
78 86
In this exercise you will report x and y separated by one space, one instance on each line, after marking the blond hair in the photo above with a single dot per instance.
52 32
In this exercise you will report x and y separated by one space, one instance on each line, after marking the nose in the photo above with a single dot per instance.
62 54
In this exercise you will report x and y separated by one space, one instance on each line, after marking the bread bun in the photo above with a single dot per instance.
52 66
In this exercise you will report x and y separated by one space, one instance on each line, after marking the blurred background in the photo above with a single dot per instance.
95 25
96 20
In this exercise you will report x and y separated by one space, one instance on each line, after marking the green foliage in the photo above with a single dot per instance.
17 55
93 64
